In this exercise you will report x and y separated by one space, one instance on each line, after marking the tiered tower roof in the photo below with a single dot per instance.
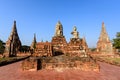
13 43
103 35
33 45
104 44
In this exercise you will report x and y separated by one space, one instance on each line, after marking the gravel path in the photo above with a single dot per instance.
14 72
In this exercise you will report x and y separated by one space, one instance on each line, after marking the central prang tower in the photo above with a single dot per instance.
59 29
58 40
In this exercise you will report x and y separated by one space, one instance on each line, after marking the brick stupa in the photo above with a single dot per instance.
104 45
13 43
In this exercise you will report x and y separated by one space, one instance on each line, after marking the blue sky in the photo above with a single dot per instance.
41 16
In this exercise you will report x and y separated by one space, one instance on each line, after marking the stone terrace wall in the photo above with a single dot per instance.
61 63
29 64
71 65
65 62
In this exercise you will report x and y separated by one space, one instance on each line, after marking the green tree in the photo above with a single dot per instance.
25 48
93 49
116 41
2 47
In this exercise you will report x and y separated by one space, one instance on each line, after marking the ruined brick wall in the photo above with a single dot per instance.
59 43
29 64
67 62
43 49
76 47
87 66
60 63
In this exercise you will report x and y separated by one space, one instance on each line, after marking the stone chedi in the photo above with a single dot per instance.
104 45
13 43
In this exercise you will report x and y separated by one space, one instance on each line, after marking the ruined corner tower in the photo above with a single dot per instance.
104 45
13 43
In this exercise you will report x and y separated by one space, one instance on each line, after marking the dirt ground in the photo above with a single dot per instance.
14 72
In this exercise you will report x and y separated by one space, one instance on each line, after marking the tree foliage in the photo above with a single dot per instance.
2 47
25 48
116 41
93 49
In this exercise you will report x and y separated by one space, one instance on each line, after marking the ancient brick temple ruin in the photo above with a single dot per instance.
59 45
60 54
13 43
104 45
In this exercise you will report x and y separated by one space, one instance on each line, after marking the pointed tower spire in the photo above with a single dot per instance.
14 31
85 43
103 29
14 27
34 40
84 39
103 34
33 45
59 23
13 44
104 44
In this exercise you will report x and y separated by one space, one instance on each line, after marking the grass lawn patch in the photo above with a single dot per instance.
8 60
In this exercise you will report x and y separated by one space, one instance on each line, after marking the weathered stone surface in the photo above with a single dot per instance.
43 49
13 43
67 62
77 47
29 64
59 45
61 63
104 45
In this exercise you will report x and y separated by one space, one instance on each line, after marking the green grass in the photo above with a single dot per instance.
113 60
7 59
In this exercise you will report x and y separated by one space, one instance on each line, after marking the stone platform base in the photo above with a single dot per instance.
61 63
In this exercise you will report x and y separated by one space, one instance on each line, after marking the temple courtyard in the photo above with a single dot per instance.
14 72
45 63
